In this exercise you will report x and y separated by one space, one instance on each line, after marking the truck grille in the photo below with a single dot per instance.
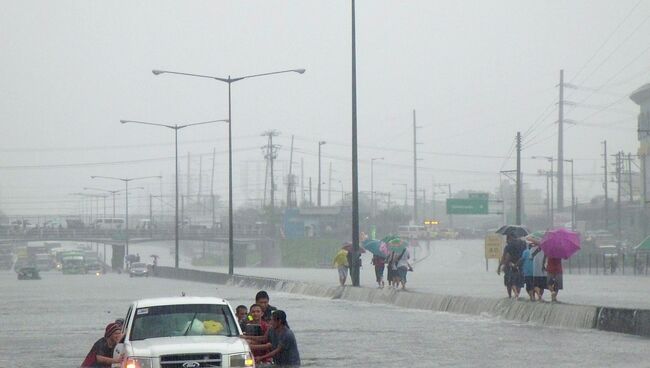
179 360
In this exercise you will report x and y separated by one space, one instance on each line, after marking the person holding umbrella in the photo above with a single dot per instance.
512 276
378 259
380 264
558 244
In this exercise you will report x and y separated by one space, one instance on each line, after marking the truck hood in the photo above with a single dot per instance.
187 345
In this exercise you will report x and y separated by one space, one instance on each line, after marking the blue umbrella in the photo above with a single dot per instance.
372 246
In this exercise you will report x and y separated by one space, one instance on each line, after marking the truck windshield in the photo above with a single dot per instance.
183 320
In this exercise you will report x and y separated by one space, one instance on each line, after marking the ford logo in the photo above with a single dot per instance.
191 364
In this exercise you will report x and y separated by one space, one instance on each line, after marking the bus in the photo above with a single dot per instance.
109 223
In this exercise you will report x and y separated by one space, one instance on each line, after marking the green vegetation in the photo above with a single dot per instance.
308 252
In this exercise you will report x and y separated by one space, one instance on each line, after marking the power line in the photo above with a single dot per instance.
107 163
611 34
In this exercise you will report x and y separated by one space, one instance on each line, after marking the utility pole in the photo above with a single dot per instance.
329 190
291 190
605 185
310 200
415 171
212 199
188 175
320 180
518 192
619 169
629 175
273 156
560 146
302 182
198 196
150 215
270 155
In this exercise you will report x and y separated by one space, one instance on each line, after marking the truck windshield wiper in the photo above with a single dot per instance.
191 323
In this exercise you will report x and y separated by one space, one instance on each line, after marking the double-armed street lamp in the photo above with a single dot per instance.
96 196
126 195
551 159
112 192
549 187
175 128
229 80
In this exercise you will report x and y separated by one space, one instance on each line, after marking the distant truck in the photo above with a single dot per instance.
73 263
43 262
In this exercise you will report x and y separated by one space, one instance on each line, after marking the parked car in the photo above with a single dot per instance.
28 273
139 269
183 332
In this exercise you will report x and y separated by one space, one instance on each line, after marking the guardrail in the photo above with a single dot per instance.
629 321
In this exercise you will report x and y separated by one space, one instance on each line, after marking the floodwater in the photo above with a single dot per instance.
54 321
452 267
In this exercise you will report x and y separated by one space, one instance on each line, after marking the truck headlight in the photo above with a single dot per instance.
242 360
136 362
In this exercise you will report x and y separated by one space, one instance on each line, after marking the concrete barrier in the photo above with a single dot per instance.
629 321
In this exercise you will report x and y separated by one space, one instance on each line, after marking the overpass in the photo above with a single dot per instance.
119 237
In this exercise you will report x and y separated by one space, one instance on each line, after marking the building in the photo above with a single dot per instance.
642 98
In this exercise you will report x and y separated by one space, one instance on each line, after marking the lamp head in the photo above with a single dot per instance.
157 72
301 71
123 121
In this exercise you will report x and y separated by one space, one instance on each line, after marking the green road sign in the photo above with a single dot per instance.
471 206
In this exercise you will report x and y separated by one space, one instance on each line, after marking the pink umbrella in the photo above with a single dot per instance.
560 243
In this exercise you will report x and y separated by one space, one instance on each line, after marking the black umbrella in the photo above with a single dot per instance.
513 230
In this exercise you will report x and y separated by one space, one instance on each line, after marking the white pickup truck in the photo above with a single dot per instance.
182 332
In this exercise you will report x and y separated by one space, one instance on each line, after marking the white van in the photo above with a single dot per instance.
412 232
109 223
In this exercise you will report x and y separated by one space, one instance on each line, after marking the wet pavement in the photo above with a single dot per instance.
53 322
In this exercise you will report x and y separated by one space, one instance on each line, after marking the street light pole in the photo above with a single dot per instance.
550 175
112 192
126 193
230 81
176 128
320 143
372 185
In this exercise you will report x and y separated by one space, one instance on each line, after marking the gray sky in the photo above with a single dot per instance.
475 71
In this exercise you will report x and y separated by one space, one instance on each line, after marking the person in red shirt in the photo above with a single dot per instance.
257 337
101 354
553 268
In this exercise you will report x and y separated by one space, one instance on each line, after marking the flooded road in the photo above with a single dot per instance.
53 323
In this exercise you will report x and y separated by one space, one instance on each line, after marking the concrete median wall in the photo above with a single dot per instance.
630 321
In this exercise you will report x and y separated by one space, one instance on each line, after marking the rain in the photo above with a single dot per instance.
421 183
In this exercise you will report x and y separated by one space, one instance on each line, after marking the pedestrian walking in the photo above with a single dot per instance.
340 261
553 267
380 264
512 276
